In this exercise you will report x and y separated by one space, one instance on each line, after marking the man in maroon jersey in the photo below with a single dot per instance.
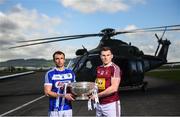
108 80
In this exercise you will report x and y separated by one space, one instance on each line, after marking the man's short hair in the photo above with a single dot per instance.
106 49
58 52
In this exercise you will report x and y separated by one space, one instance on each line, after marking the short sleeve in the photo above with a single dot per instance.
117 72
48 80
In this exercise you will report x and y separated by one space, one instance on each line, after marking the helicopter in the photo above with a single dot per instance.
131 60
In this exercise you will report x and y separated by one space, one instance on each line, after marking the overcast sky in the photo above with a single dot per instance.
31 19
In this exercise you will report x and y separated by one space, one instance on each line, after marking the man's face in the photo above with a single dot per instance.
106 57
59 60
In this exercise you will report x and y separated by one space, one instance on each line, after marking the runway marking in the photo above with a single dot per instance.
18 74
19 107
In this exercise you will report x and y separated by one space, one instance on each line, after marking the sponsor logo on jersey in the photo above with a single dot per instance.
62 76
101 83
59 84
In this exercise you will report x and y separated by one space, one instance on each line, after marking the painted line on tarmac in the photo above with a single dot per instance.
19 107
18 74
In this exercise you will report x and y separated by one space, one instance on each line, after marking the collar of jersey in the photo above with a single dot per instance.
58 69
109 64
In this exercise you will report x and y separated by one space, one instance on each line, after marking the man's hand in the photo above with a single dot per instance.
92 97
69 97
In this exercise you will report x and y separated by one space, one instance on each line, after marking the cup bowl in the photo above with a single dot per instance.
81 90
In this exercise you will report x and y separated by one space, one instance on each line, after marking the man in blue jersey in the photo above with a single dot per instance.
55 87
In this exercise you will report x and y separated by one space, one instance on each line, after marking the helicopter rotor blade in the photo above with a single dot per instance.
61 37
160 30
160 27
163 33
157 37
158 44
84 36
101 34
50 41
147 30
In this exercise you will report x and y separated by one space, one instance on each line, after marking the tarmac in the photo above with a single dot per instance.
23 96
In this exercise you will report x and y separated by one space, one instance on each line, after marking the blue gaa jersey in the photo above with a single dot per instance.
57 79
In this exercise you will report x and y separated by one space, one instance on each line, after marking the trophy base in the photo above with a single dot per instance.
82 98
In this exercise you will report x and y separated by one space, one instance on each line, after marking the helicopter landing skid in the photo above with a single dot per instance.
144 86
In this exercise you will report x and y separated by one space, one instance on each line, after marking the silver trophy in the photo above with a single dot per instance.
82 89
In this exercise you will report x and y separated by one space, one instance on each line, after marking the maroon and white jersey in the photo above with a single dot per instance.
103 80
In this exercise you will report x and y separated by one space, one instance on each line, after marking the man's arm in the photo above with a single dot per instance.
48 92
113 88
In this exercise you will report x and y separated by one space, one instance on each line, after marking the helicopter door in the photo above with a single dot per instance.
140 70
136 72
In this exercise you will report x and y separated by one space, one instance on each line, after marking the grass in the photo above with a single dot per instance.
169 75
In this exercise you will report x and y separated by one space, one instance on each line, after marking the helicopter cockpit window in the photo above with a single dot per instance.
136 66
72 63
139 66
77 63
133 65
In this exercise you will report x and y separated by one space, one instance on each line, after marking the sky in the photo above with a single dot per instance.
31 19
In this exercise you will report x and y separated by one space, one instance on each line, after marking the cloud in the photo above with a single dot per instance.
20 24
90 6
137 1
2 1
130 27
174 51
24 24
137 36
110 6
